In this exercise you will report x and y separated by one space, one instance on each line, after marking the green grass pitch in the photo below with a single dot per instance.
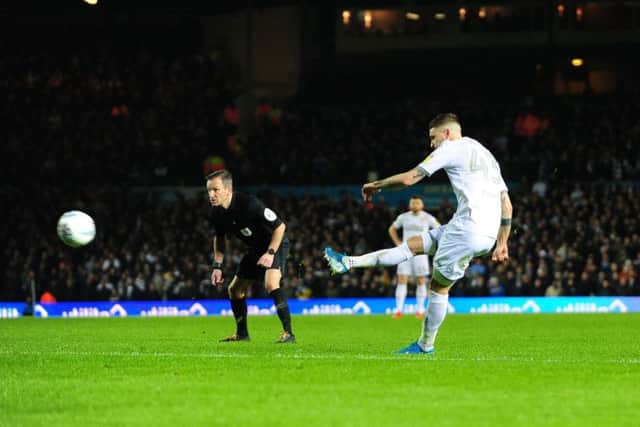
489 370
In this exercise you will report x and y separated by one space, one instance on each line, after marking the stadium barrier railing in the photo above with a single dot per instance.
331 306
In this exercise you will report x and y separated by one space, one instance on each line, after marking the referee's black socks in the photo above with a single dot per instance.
239 308
282 308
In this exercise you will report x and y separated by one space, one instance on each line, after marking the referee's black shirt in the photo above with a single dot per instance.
248 219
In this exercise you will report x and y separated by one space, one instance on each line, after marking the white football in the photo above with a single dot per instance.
76 228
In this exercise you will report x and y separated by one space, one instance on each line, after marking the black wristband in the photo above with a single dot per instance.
217 265
270 251
505 222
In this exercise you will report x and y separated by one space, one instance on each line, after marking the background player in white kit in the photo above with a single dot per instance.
482 219
412 223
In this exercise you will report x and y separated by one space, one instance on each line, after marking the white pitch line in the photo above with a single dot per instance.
312 356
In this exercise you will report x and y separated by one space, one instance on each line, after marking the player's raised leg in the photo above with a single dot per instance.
341 263
237 296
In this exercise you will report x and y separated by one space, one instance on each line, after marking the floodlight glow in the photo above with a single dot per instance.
561 9
368 19
346 17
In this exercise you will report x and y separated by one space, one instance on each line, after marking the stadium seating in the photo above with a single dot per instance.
572 241
86 127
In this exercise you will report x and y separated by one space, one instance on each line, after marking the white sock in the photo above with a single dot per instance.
383 258
401 294
436 311
421 296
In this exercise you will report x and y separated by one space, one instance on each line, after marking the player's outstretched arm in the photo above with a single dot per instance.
501 252
394 182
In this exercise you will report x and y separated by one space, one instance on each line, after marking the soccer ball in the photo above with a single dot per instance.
76 228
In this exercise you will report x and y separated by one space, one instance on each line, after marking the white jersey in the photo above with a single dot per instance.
414 225
476 180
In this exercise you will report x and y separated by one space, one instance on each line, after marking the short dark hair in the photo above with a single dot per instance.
415 196
223 174
443 119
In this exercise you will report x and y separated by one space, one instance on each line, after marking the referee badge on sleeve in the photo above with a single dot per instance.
270 215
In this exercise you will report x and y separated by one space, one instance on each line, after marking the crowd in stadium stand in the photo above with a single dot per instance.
141 118
94 124
97 117
573 241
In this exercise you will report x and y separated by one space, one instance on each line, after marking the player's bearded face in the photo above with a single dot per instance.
437 135
415 205
218 193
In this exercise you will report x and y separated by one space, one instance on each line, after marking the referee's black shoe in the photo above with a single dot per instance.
286 337
235 337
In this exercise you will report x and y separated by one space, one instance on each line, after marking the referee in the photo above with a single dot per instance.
247 218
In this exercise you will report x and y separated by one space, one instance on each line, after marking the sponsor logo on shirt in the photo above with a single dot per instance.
270 215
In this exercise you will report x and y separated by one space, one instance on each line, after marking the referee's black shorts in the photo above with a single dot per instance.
249 268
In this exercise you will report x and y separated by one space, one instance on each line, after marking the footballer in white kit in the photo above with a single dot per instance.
482 220
412 223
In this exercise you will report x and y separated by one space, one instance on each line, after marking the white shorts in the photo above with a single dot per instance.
453 245
416 266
